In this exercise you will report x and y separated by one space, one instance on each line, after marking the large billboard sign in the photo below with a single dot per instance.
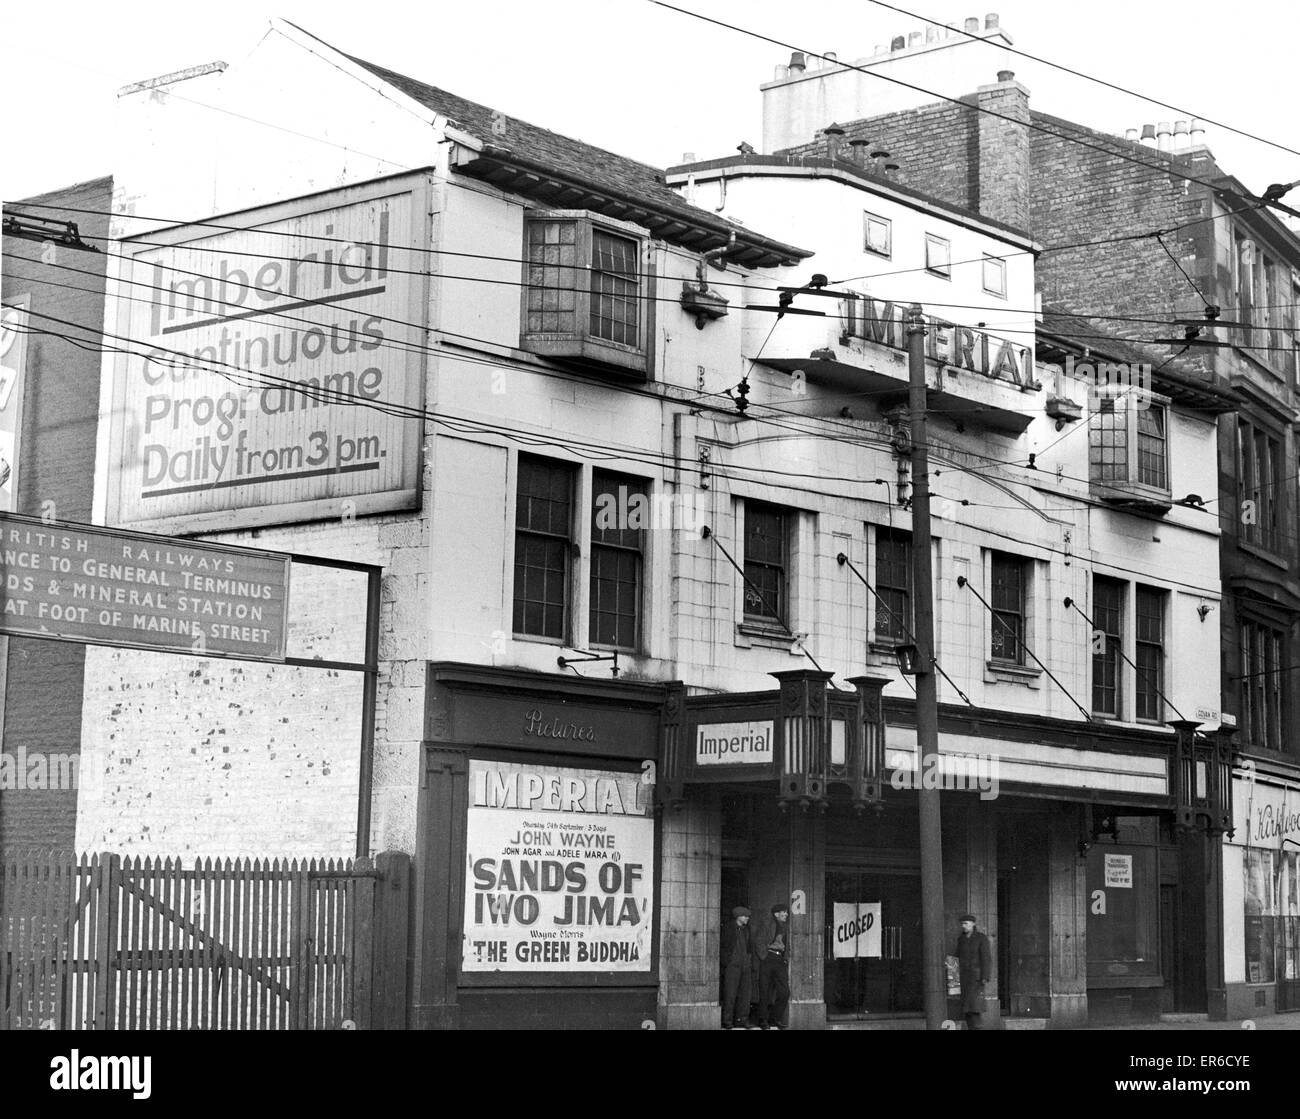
560 870
275 366
109 587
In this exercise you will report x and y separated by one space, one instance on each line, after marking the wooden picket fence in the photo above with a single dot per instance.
106 942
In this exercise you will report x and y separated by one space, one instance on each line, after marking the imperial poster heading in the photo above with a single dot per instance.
560 873
269 367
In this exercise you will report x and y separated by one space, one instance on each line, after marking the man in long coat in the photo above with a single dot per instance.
737 960
974 967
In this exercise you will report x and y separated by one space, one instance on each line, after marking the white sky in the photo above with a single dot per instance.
647 82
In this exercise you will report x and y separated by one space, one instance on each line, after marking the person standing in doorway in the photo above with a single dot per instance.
772 946
737 960
975 965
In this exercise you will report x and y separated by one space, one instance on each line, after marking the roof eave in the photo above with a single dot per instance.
509 171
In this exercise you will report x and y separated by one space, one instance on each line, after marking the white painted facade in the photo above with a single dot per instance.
295 118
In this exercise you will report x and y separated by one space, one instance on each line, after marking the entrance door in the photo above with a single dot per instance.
1171 999
888 984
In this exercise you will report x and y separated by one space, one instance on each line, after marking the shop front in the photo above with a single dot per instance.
1261 896
537 874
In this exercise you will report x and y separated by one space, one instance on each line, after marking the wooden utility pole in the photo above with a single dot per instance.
935 988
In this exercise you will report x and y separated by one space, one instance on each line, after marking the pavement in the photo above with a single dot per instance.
1290 1021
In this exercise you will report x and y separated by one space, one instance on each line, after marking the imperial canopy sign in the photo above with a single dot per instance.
274 372
108 587
560 868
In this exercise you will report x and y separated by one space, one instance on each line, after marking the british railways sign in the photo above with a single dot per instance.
108 587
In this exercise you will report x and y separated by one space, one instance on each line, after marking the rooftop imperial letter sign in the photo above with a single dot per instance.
560 869
276 370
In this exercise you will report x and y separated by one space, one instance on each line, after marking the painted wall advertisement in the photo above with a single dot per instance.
855 930
560 870
273 370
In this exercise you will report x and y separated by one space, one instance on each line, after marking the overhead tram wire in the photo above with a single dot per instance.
1093 78
1109 153
579 448
173 223
858 438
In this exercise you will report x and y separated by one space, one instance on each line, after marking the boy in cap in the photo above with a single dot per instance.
773 950
974 966
737 958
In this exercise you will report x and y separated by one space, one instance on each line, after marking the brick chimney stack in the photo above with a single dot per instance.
1004 151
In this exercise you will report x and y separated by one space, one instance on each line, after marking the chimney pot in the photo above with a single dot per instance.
1006 75
1149 135
914 39
859 147
1163 134
880 153
973 25
1131 134
781 73
831 58
1181 139
890 168
898 43
931 33
1197 133
991 21
797 64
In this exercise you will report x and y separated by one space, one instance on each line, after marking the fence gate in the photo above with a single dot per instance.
107 942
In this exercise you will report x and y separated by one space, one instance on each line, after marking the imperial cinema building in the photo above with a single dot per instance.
627 449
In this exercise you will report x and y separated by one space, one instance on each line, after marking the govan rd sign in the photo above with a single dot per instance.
108 587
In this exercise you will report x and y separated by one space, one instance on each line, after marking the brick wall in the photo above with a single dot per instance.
42 692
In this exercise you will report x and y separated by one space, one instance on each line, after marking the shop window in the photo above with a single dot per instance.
1261 947
1260 697
1123 914
1149 634
938 256
893 585
877 234
543 547
1107 643
1261 487
619 519
1010 577
583 291
767 550
995 276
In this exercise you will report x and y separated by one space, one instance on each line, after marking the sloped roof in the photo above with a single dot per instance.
523 158
1177 379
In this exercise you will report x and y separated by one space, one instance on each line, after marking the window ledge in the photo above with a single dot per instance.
1017 673
1132 496
1259 551
756 633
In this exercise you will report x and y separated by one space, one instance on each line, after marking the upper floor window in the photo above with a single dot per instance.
1107 643
893 584
583 291
995 276
1149 634
767 550
619 518
938 256
1128 442
1260 702
1010 578
877 234
1261 487
543 547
